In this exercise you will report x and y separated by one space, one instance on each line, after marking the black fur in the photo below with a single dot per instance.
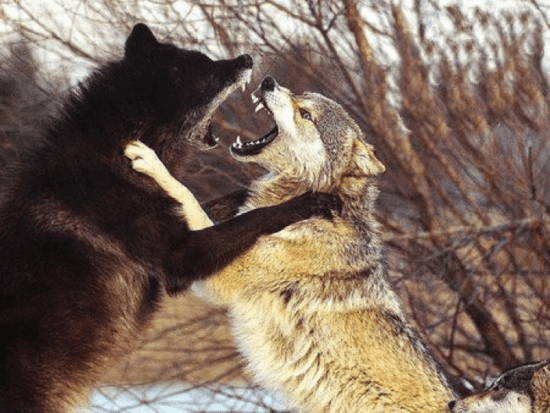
222 209
87 245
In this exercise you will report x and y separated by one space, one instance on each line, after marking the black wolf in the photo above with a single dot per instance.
87 245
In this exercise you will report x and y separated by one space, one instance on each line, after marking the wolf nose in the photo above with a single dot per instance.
246 61
268 84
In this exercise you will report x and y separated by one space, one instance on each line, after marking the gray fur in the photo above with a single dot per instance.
523 389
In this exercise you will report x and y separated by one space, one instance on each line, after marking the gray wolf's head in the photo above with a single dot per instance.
314 140
524 389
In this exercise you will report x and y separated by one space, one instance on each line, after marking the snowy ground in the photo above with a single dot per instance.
172 398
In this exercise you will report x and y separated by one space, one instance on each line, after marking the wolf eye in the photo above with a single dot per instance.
305 114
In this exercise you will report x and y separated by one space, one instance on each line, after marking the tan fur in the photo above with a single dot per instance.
524 389
312 310
541 389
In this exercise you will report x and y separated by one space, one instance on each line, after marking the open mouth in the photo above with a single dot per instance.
202 134
210 139
255 147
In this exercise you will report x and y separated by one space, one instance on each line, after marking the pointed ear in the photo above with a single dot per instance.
363 161
140 40
540 382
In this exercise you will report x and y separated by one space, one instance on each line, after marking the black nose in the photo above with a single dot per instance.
268 84
246 60
452 404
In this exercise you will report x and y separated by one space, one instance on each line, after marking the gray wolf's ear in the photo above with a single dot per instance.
140 41
542 376
541 385
363 161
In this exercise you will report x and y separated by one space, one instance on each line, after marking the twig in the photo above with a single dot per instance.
469 230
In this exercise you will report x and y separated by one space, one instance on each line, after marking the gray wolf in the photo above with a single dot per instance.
311 306
87 245
523 389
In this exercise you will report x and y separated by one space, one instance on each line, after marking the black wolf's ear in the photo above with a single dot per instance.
140 41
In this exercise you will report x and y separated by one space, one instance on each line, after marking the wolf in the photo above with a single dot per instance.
88 246
311 306
523 389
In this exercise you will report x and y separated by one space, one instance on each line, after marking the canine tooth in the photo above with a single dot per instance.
255 98
238 142
243 87
259 107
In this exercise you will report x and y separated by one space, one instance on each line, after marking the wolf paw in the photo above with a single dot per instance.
144 159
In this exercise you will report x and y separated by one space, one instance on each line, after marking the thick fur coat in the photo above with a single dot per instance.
87 245
311 306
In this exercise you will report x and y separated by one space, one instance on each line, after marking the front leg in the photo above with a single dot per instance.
198 254
194 255
146 161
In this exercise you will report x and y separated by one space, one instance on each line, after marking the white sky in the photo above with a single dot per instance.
70 20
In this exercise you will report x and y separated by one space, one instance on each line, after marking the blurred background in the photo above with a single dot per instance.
454 97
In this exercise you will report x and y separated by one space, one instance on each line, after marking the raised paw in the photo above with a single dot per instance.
144 159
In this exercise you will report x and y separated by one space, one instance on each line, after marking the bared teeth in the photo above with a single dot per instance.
255 98
259 107
238 143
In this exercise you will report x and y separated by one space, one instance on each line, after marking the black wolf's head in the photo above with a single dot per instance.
183 88
158 93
